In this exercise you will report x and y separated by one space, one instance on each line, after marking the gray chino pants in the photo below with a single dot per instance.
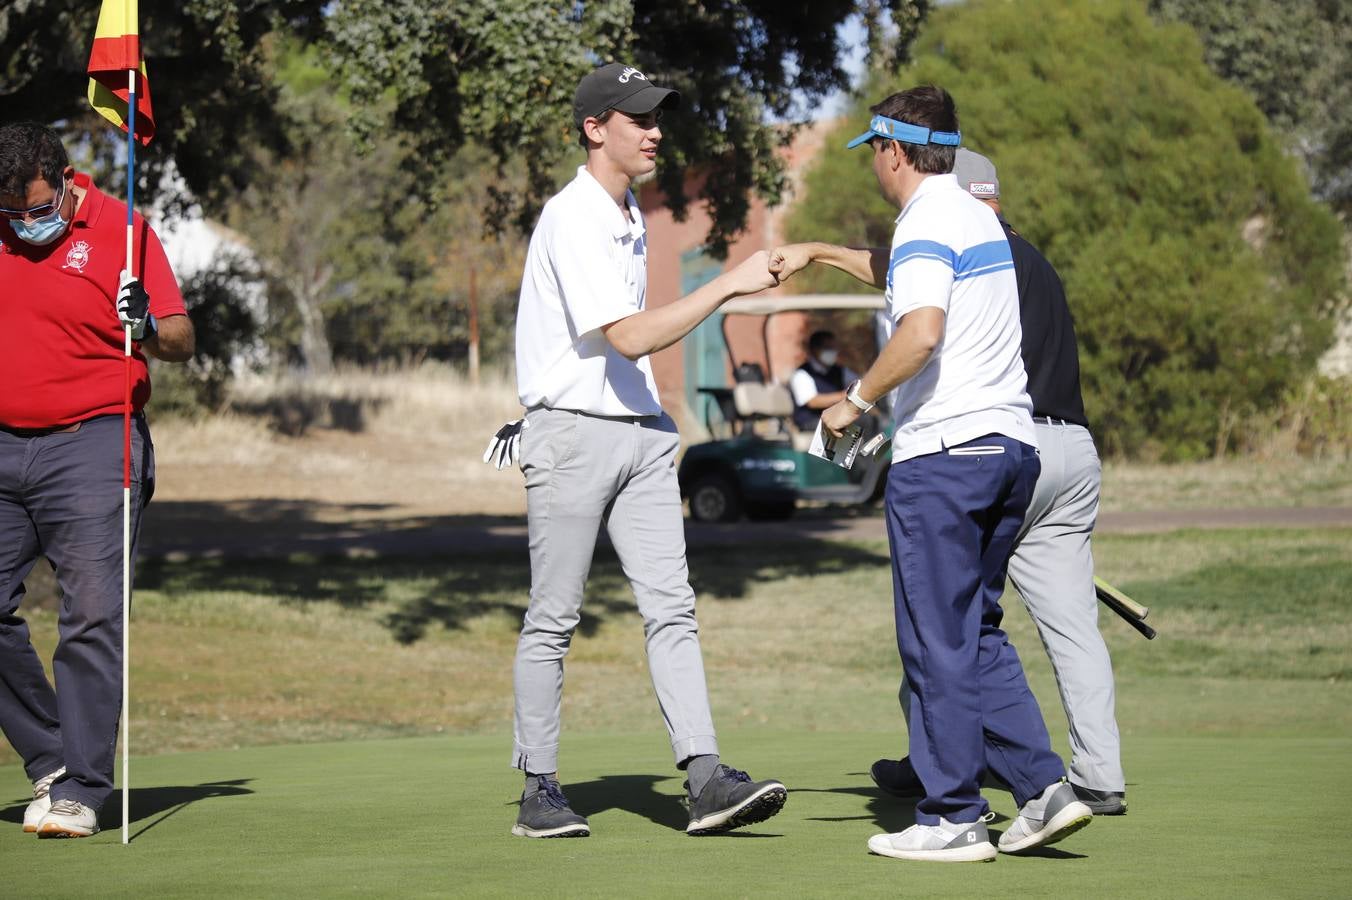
581 471
61 497
1053 570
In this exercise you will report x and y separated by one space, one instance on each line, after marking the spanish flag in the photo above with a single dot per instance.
117 49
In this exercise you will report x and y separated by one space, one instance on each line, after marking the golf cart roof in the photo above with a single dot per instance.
769 304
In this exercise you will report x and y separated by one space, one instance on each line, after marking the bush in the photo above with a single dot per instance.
1202 276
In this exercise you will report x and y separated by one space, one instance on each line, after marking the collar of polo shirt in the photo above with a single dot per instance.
620 227
897 130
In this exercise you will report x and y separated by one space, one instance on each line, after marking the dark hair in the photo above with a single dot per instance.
819 339
582 132
28 151
928 106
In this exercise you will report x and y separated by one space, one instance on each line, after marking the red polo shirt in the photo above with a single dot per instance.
60 338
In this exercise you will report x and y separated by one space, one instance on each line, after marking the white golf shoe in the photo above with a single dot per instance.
68 818
1046 819
945 842
42 801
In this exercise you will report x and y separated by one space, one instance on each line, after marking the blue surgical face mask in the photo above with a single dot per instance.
42 231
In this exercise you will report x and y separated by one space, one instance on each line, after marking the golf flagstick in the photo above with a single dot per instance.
126 474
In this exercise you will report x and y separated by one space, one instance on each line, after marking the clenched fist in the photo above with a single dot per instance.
787 260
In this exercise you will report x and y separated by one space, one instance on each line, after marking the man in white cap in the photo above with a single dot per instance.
596 447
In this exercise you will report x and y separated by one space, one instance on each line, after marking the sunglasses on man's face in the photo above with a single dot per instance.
37 212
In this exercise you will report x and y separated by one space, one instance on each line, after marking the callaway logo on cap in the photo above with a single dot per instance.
617 86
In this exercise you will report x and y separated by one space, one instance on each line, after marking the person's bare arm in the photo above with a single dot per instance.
173 341
653 329
825 401
868 264
918 333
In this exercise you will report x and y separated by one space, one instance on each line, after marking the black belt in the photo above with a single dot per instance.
1051 420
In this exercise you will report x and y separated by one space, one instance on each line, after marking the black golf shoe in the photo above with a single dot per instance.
897 777
1102 803
731 799
546 814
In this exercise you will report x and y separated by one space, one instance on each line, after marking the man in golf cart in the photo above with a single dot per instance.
819 383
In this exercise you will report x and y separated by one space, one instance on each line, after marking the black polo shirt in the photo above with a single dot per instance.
1050 353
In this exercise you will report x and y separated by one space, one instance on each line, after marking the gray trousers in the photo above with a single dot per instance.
581 471
61 497
1053 570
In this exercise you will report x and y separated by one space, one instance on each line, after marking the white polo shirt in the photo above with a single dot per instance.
949 251
586 267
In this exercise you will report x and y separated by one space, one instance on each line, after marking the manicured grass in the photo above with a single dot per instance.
1236 723
232 654
1210 817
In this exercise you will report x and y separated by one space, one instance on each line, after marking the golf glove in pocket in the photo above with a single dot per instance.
133 305
504 448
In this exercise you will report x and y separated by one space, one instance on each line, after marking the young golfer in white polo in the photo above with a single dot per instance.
596 447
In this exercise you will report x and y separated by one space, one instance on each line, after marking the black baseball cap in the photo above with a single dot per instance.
617 86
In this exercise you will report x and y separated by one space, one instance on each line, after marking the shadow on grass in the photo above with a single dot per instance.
148 803
302 553
636 794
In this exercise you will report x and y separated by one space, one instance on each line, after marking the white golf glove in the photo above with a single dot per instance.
504 448
133 305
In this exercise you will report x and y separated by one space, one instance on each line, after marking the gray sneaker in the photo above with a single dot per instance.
546 814
731 799
897 777
1102 803
1046 819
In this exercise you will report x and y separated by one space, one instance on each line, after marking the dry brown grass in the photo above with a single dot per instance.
401 444
422 434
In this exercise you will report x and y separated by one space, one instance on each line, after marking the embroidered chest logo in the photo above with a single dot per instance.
77 257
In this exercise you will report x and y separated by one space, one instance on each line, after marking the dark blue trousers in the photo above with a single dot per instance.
951 521
61 497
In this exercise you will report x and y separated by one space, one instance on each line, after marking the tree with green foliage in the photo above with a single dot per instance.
1201 274
1295 58
498 74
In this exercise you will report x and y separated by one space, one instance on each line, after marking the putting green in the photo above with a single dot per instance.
1210 817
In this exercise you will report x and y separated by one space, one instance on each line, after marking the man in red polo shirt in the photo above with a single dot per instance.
63 304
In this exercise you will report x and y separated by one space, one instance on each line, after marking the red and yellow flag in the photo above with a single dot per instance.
117 48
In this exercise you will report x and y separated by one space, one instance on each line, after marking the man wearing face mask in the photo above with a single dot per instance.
65 302
819 383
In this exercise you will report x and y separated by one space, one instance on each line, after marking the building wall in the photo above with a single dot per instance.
669 241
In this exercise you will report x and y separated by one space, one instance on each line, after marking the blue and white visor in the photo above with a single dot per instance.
897 130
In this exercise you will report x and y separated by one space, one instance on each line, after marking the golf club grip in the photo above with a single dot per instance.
1112 603
1102 587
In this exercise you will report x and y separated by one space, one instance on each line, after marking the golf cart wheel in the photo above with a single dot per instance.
770 511
714 498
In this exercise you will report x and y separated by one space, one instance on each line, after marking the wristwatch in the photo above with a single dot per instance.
852 395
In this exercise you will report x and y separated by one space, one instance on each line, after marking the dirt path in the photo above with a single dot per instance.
179 529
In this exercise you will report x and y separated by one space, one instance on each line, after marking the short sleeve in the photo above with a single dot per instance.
157 277
593 290
919 273
802 387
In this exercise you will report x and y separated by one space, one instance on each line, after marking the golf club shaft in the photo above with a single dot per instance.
1102 587
1127 616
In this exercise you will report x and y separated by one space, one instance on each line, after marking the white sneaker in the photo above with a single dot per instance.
68 818
1046 819
42 801
945 842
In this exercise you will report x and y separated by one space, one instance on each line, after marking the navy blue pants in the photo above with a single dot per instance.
951 521
61 497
